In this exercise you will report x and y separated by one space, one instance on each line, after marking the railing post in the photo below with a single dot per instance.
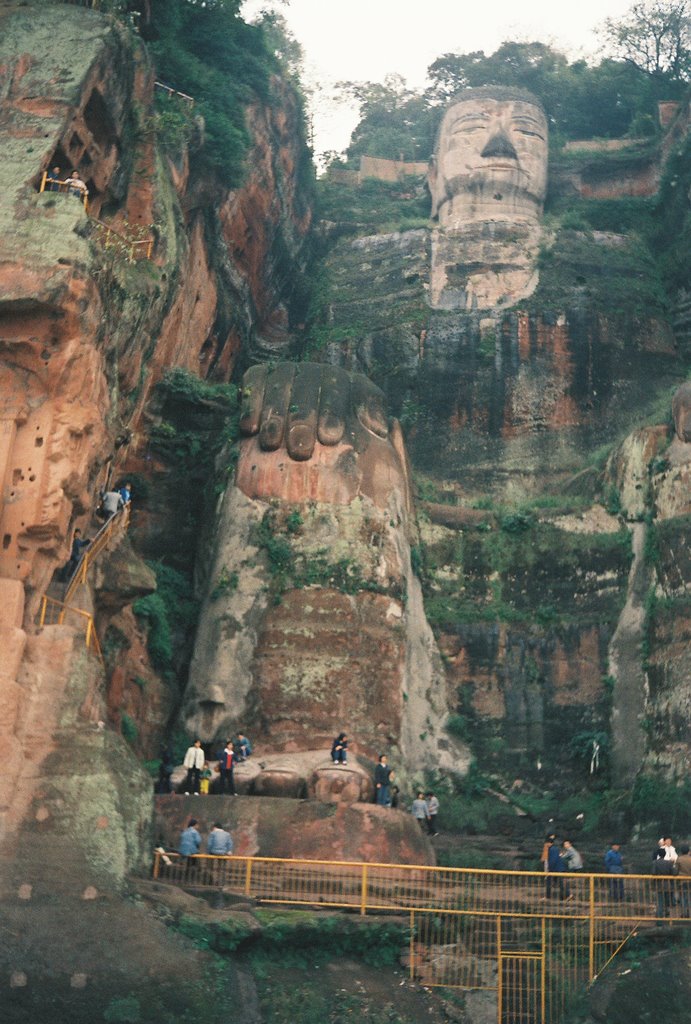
500 994
43 181
89 628
85 567
543 971
363 891
44 605
157 862
248 877
591 929
412 944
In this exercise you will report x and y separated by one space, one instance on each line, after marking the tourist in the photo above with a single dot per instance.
339 749
111 503
670 852
432 812
226 766
549 839
419 811
205 779
664 868
555 865
194 762
190 841
53 180
165 770
684 874
125 493
395 791
75 558
244 747
220 842
614 865
571 857
382 781
75 186
660 846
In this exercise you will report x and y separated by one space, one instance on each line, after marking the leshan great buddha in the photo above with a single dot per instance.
488 180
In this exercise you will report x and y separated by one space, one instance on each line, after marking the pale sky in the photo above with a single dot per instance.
365 40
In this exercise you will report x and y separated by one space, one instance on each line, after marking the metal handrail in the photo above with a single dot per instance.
54 612
535 939
140 248
65 187
96 546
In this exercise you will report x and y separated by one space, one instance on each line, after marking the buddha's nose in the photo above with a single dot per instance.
499 144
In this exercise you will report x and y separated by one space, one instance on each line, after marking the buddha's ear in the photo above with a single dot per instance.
432 180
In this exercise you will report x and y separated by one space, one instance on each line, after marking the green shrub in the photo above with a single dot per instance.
657 801
128 728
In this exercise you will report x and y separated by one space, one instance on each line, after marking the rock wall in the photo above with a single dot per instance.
86 334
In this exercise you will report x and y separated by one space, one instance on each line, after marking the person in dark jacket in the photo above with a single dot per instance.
75 558
226 766
382 779
614 865
165 770
664 869
339 749
555 865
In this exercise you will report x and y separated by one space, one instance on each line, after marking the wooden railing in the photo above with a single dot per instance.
49 184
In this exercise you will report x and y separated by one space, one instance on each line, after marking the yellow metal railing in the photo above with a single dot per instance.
117 523
136 248
52 613
534 940
49 184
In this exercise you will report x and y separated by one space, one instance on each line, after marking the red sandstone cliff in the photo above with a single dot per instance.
85 333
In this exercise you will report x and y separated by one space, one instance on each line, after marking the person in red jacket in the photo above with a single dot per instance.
226 766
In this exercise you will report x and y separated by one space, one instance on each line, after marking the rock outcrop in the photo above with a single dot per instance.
86 333
313 617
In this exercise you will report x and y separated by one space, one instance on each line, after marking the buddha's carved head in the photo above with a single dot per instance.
490 161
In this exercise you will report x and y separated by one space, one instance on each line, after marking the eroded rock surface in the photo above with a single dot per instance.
324 628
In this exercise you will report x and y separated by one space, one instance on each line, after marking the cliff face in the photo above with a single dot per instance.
86 332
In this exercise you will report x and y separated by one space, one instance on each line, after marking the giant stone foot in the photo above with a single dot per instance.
323 627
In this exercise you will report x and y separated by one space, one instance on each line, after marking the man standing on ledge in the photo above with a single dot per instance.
382 780
194 762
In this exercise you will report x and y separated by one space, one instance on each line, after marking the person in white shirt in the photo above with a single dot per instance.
194 762
670 852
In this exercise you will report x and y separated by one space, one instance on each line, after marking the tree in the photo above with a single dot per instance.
395 120
654 37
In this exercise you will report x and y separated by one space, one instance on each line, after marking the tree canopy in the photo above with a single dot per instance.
654 37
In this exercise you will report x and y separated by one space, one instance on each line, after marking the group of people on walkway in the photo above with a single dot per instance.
219 842
667 864
200 773
109 504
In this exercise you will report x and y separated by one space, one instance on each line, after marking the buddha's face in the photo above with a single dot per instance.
491 162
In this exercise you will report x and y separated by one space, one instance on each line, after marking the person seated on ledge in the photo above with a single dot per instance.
76 186
243 747
339 749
